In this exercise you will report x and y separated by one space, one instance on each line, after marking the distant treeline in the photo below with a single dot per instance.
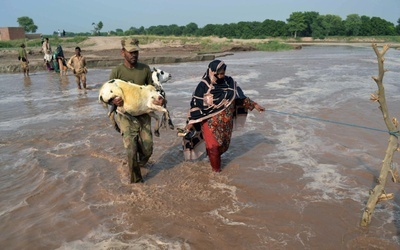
299 24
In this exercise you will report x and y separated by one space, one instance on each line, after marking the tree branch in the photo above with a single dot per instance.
378 193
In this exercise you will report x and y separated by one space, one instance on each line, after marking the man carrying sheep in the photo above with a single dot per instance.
135 130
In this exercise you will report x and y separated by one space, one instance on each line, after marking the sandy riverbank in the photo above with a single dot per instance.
104 51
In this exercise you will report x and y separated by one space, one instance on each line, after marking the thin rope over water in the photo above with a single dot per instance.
395 133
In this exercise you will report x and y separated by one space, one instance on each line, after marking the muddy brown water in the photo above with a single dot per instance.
288 182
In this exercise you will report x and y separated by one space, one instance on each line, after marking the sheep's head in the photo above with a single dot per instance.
109 91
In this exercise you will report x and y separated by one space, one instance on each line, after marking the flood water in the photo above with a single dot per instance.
295 177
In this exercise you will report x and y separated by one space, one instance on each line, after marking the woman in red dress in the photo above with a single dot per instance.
215 103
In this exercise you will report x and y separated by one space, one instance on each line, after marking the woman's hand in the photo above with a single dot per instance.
259 108
188 127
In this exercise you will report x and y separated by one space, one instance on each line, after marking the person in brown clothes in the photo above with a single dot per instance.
78 65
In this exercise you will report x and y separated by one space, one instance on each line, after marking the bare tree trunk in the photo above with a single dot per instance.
378 193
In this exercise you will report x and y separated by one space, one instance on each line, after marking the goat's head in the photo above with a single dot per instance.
109 91
160 76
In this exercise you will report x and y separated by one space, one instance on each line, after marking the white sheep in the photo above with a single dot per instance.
138 100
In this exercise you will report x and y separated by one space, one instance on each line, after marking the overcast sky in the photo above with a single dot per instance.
78 15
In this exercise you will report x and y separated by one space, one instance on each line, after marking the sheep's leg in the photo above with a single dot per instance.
111 115
166 117
163 121
157 124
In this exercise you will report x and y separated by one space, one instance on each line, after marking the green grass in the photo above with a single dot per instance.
272 46
384 39
207 45
147 39
8 44
32 43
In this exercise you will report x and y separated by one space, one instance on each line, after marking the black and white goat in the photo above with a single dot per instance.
159 77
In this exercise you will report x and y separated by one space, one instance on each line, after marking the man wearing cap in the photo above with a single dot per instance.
136 131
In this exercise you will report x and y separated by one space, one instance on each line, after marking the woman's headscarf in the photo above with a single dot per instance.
59 51
213 95
213 68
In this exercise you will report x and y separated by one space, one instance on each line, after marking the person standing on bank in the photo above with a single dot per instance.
41 42
135 130
78 65
23 58
216 101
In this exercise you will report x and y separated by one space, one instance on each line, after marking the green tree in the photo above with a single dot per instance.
398 27
376 26
130 31
190 29
333 25
175 30
327 25
352 25
119 32
97 27
281 29
296 23
27 23
141 30
365 26
228 30
249 30
159 30
218 30
100 25
318 28
207 30
309 19
381 27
